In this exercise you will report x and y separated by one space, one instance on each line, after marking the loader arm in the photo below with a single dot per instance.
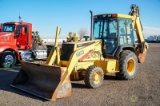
74 58
77 55
54 54
142 45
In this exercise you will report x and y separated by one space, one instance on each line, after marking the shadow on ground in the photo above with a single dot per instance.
81 84
6 78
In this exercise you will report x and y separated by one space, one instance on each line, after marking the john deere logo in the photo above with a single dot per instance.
80 53
133 98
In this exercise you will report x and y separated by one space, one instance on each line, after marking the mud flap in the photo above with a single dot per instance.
48 82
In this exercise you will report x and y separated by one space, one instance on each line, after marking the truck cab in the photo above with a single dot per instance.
21 34
16 43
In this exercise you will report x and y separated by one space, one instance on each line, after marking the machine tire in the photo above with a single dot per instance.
127 65
94 77
8 59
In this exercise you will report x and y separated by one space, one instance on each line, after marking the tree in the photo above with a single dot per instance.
82 32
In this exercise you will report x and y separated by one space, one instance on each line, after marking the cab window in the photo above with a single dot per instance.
126 31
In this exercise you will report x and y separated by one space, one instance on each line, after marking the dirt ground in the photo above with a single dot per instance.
144 90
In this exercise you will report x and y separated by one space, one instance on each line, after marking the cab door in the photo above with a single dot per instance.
22 37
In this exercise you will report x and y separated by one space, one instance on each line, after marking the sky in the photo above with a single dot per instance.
72 15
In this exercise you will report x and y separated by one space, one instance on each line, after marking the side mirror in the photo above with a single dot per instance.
23 31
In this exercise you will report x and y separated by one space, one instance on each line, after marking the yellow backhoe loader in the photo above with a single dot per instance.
111 49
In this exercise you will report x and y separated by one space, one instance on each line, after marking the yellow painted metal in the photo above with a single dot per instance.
72 37
108 65
77 45
102 64
111 65
64 63
130 65
73 65
142 45
138 27
75 55
80 66
84 65
96 77
55 53
122 16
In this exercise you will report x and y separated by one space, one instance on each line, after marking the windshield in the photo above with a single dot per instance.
8 28
104 28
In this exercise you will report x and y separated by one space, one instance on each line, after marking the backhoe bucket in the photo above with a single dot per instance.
48 82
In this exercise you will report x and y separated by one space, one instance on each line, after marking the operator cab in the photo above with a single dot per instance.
113 32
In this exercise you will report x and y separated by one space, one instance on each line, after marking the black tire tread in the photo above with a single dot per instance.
2 56
88 79
122 62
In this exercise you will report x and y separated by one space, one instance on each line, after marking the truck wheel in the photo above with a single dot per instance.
94 77
8 59
127 65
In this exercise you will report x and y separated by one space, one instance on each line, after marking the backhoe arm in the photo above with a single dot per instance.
142 45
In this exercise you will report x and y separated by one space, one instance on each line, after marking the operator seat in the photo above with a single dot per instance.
111 42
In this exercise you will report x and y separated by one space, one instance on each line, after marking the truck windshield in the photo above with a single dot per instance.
8 28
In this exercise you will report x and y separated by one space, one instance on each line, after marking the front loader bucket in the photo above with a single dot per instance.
48 82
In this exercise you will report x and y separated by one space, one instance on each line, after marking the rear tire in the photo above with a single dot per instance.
127 65
8 59
94 77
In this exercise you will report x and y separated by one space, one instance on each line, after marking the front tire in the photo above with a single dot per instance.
8 59
127 65
94 77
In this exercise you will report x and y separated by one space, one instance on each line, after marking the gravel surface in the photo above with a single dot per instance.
141 91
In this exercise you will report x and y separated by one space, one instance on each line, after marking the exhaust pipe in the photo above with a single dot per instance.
91 33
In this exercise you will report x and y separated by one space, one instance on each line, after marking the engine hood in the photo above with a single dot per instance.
6 37
5 34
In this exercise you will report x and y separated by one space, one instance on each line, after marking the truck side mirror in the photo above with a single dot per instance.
23 31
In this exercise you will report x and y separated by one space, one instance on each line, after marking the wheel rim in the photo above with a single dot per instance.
96 77
130 65
8 59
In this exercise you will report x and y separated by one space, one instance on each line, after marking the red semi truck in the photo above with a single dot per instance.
17 43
